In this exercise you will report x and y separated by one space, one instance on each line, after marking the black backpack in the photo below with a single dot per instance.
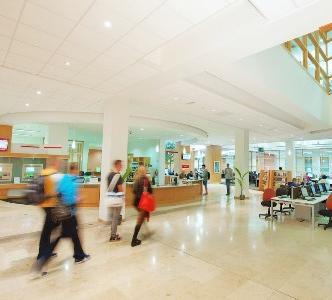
35 191
209 175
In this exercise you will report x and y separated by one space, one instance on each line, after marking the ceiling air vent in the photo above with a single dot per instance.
190 103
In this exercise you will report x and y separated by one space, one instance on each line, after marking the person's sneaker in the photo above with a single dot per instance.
82 260
136 242
115 238
54 255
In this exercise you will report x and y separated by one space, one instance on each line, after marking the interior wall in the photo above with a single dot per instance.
94 160
145 148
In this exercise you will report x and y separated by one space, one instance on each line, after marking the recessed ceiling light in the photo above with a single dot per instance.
176 98
240 119
39 92
67 63
213 110
260 125
27 104
108 24
142 129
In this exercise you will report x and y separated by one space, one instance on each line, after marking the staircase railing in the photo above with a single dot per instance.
314 52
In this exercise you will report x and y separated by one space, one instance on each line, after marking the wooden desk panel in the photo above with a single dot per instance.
90 195
170 195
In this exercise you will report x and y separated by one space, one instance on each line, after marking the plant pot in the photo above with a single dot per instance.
242 197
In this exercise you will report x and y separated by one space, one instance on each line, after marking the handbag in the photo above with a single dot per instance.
113 199
60 212
147 202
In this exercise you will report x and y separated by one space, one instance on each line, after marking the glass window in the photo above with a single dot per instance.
308 164
324 165
75 151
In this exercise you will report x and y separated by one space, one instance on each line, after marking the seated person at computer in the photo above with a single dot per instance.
306 178
190 175
322 179
293 183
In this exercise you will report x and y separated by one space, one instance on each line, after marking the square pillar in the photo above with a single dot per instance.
115 145
242 159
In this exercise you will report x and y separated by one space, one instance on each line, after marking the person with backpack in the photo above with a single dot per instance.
68 194
45 195
205 176
115 191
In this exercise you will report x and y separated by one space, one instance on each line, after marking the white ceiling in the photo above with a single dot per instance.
63 49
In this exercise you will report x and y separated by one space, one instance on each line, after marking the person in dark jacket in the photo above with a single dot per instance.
141 184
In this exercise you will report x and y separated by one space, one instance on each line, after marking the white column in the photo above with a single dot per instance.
57 134
161 171
290 157
115 144
242 159
85 157
316 162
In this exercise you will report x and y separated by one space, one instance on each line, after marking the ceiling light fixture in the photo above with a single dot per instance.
73 144
27 104
142 129
107 24
39 92
67 63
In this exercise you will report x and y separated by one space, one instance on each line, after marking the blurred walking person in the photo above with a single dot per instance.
46 194
68 195
142 184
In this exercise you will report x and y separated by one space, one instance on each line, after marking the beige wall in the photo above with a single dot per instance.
179 162
213 153
94 159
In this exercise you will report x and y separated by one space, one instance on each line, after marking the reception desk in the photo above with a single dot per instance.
89 193
170 194
167 195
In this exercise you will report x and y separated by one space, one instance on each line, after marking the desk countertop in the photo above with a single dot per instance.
302 201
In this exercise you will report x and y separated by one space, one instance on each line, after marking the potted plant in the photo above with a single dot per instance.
241 181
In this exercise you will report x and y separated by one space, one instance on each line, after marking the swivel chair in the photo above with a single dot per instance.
268 194
284 191
327 213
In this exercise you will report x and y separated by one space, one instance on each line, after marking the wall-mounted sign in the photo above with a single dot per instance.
4 144
185 167
260 149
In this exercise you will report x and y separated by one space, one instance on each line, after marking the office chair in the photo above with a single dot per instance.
268 194
327 213
281 191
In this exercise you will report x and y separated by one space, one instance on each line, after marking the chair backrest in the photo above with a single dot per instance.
281 191
329 202
268 194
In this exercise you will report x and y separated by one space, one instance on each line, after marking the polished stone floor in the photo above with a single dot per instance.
217 249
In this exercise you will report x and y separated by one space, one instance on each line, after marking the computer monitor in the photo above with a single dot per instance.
312 189
296 192
304 192
325 187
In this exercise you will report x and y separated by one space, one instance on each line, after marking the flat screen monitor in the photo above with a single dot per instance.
324 186
304 192
186 156
4 144
313 190
30 170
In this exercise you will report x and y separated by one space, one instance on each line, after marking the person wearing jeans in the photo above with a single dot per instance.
117 187
228 178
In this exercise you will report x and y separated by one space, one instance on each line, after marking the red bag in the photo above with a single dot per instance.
147 202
